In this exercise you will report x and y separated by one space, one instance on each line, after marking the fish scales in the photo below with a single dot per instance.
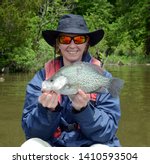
80 77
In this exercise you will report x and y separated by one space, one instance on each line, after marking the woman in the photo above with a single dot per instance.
50 119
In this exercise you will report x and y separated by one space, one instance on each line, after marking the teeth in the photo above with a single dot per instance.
72 52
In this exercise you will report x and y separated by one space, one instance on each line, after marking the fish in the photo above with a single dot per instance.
84 76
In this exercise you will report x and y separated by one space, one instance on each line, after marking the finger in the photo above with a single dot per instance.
42 97
77 102
46 101
85 95
82 93
53 101
81 99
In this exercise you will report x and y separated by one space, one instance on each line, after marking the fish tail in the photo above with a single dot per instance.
115 86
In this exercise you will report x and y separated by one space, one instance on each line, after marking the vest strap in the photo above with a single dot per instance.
51 67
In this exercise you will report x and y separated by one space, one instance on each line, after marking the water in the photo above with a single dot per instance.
12 93
134 127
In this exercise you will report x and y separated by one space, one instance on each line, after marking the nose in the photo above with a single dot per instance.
72 44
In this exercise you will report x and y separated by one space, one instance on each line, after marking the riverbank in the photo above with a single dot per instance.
109 60
126 60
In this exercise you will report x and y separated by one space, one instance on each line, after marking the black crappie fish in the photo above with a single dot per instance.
81 75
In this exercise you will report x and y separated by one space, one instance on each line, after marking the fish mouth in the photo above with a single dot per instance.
54 85
46 86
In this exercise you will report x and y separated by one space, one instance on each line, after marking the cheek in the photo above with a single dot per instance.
62 47
83 48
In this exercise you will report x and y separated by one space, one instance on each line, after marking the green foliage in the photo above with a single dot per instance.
98 16
126 26
22 59
21 27
127 47
128 31
44 53
125 60
16 18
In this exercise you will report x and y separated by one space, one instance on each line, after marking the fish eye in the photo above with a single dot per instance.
51 80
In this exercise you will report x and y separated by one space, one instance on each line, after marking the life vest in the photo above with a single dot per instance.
52 66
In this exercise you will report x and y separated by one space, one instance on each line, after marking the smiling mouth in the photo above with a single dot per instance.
72 52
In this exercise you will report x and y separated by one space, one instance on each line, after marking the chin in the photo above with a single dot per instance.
74 59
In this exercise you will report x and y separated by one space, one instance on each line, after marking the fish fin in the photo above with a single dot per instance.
94 66
115 86
97 68
103 90
100 90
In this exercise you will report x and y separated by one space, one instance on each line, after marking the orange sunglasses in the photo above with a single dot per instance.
80 39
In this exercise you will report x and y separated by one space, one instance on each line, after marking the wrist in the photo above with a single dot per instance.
56 109
74 110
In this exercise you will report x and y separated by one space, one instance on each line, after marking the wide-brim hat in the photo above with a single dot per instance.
72 24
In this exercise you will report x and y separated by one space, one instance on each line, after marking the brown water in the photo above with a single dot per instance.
134 128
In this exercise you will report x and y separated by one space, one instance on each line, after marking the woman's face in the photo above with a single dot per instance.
72 47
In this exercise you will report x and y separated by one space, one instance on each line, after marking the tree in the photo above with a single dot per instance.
128 30
21 27
98 15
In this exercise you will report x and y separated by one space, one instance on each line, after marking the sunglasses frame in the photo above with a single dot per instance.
72 38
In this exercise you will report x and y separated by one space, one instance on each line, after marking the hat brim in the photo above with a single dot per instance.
51 35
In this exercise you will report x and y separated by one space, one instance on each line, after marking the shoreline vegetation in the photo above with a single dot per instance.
123 60
106 61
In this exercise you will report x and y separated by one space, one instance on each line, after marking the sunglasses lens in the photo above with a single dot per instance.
79 39
65 39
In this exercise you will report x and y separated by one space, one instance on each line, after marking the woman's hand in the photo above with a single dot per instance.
80 100
49 100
